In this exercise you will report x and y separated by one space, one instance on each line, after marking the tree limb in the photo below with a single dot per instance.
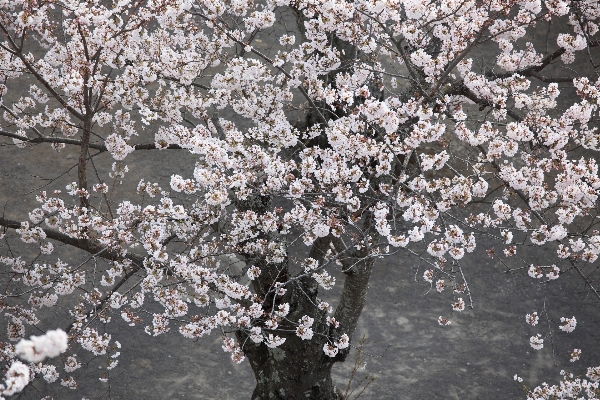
355 290
101 147
90 246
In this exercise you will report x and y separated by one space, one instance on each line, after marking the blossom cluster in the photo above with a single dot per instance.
51 344
570 387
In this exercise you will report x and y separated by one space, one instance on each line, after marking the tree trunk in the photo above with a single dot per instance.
295 370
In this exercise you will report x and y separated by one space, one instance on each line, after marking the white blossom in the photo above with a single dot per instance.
51 344
536 342
567 324
330 349
17 377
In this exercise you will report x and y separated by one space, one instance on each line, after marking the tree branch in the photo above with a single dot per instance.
543 221
348 263
264 57
355 290
19 53
101 147
90 246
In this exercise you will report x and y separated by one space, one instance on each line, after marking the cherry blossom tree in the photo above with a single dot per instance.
347 130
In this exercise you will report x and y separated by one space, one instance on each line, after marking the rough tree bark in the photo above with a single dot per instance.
299 369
